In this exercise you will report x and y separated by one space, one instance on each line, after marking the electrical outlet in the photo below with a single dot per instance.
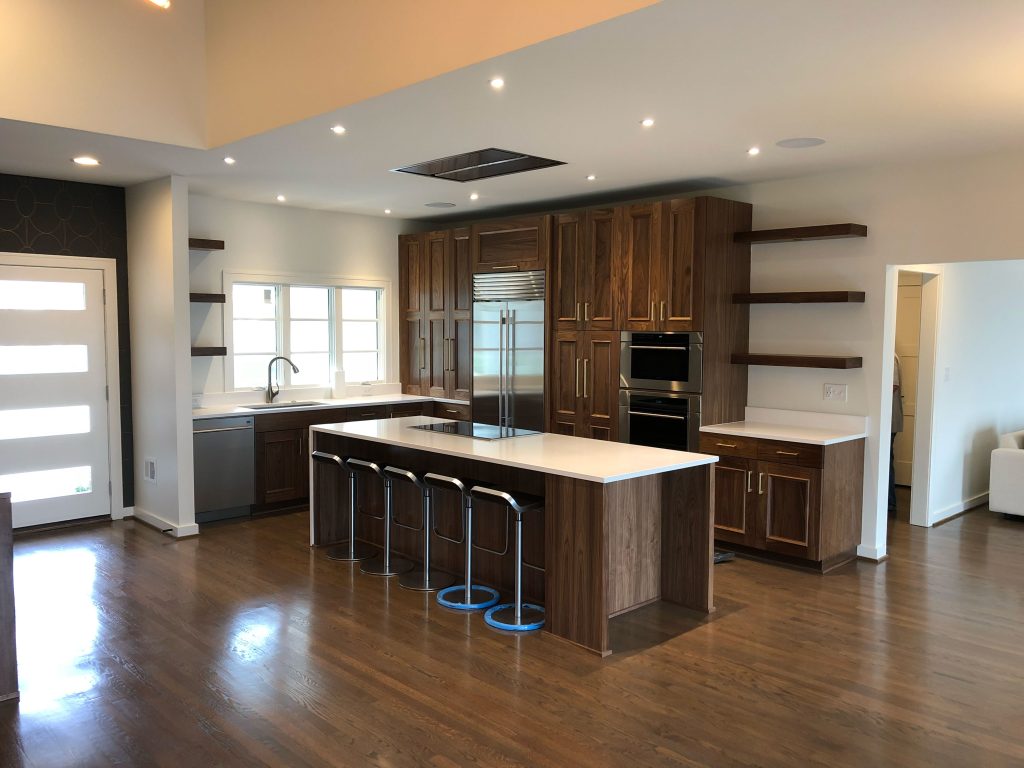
149 469
197 401
835 392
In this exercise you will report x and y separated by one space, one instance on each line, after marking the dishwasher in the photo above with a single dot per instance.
223 458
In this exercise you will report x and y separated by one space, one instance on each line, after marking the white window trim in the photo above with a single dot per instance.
297 278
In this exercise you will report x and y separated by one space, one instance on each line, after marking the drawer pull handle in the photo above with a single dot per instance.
760 483
499 267
750 480
451 410
726 445
787 453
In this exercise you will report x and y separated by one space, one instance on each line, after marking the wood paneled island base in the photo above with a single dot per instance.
608 540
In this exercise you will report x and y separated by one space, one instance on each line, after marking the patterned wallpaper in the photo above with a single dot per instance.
47 216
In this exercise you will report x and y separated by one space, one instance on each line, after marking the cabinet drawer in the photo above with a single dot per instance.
789 453
728 445
511 244
365 412
409 409
457 411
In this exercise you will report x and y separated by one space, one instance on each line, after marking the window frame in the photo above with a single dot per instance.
282 318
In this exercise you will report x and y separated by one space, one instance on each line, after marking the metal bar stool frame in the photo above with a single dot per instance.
516 616
354 551
384 564
466 596
422 579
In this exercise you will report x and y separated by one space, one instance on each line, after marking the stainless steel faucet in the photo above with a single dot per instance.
271 392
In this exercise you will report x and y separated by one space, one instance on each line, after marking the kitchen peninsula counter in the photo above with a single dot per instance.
623 525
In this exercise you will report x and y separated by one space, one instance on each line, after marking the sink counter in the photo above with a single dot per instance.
804 427
322 404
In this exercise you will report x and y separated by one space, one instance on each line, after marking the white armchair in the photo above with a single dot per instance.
1006 482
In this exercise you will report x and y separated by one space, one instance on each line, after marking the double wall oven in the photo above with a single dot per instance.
659 389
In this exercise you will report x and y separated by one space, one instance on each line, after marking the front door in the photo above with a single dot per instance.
54 451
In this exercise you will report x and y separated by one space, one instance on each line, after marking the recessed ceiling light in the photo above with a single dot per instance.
754 151
802 142
229 160
86 160
387 210
281 198
165 4
337 130
647 122
439 205
591 177
497 83
474 196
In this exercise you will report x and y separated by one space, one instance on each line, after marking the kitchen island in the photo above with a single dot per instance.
623 525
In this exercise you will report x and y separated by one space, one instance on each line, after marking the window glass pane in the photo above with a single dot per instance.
251 371
48 483
43 422
254 301
359 303
32 294
360 366
359 336
309 303
50 358
255 336
313 369
310 336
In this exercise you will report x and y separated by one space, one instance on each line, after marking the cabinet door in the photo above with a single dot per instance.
597 270
790 508
411 276
508 245
566 386
566 273
641 266
434 311
600 384
410 273
437 346
736 501
413 349
460 318
282 466
682 288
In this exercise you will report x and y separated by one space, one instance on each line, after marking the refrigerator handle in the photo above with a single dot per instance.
501 368
510 367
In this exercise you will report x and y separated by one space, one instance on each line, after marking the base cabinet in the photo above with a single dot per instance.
801 503
585 384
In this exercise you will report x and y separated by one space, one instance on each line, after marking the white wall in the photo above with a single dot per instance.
158 297
941 211
282 239
979 386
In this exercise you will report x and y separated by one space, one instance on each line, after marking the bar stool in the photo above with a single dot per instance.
354 551
516 616
384 564
466 596
420 579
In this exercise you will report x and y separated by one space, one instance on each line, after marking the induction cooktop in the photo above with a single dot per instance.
475 430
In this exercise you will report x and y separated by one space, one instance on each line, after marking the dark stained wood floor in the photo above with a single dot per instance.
245 648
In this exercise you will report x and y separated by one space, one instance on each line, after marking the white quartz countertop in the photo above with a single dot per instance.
596 461
321 404
794 426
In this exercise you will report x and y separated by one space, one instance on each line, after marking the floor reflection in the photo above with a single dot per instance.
57 624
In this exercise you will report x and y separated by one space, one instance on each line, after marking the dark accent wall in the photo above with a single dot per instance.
68 218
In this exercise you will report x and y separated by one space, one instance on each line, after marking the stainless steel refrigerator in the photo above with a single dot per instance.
508 349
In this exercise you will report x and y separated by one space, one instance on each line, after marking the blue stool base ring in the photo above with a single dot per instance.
480 597
503 617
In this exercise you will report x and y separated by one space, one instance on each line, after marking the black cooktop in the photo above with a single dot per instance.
473 429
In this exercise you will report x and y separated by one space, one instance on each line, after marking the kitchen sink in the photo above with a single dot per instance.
298 404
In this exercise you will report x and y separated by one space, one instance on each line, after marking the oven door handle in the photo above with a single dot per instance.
659 348
657 415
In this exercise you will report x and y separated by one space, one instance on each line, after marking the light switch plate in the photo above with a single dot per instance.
835 392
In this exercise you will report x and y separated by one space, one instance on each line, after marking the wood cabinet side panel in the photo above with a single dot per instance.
633 542
842 496
687 538
8 646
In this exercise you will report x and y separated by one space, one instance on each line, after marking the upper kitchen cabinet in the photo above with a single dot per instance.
641 268
412 271
582 270
509 245
460 317
682 287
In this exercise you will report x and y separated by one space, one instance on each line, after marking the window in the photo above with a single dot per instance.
320 328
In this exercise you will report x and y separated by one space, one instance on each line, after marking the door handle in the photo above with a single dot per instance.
760 483
653 314
656 415
663 310
423 353
750 480
576 315
586 311
301 437
577 377
500 267
452 354
586 364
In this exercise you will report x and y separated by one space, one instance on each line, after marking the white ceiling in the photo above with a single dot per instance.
882 81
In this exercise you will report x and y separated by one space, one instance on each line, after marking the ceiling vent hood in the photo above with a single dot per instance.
481 164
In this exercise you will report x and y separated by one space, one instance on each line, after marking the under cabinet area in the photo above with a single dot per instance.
792 501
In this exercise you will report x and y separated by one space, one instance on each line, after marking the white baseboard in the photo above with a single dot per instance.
155 521
123 513
961 506
877 554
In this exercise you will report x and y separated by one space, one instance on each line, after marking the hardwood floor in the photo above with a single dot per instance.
242 647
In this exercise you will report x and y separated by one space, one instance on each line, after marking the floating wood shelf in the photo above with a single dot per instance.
207 298
797 361
209 351
792 234
202 244
800 297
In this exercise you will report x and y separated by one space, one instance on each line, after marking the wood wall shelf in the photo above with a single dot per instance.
794 234
800 297
202 244
209 351
207 298
797 361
